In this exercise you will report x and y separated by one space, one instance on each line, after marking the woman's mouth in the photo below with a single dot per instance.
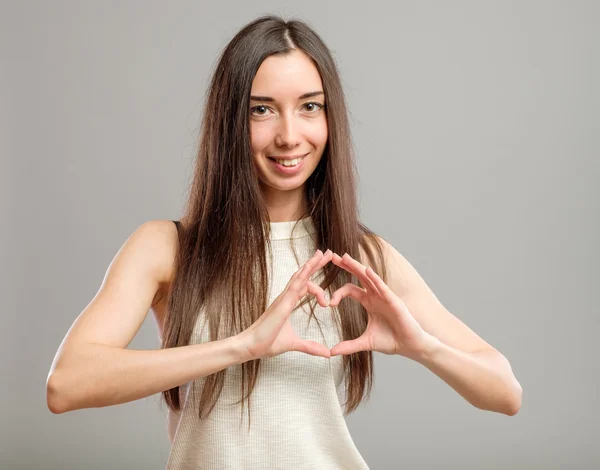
288 166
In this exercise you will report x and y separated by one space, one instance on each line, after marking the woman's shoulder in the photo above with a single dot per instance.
160 239
162 233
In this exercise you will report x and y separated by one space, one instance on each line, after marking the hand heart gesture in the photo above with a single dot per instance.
391 328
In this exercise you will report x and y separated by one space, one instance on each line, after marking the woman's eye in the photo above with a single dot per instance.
262 110
259 110
312 106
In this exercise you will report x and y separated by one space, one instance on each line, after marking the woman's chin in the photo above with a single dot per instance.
276 184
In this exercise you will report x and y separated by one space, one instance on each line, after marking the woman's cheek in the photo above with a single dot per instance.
319 136
261 137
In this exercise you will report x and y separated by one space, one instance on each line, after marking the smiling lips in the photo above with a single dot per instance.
288 161
290 165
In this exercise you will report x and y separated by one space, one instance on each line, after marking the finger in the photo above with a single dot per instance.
313 265
296 288
348 290
311 347
317 264
382 287
351 346
295 276
313 259
351 265
306 265
292 279
303 268
308 285
361 271
318 292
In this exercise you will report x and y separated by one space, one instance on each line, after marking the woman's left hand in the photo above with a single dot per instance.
391 328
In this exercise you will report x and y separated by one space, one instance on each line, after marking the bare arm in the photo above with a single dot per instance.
92 367
98 375
483 378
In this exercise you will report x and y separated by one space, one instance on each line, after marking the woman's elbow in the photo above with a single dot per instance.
55 399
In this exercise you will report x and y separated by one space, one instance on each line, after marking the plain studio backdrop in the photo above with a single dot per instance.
476 130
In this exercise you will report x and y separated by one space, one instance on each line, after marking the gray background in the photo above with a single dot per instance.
476 128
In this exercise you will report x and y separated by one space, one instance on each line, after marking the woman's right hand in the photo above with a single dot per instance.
272 334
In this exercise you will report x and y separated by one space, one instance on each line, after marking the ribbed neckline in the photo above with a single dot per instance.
286 230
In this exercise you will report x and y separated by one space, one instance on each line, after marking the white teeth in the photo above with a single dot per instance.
293 162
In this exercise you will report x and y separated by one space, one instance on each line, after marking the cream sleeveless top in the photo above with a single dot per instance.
297 420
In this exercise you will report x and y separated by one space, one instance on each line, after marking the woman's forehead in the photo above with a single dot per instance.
286 76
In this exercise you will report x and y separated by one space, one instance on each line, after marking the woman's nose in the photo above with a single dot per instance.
287 133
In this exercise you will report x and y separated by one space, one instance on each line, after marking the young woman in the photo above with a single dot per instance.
266 292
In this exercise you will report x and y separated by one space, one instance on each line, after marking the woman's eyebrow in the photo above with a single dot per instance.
302 97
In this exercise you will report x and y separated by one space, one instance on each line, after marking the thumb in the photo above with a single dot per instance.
350 346
311 347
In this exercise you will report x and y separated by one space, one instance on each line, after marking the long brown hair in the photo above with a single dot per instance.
220 265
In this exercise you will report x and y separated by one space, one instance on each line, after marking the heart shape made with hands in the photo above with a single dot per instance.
391 328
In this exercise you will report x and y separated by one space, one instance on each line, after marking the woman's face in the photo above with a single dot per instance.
287 119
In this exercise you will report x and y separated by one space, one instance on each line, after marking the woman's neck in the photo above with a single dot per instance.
285 206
